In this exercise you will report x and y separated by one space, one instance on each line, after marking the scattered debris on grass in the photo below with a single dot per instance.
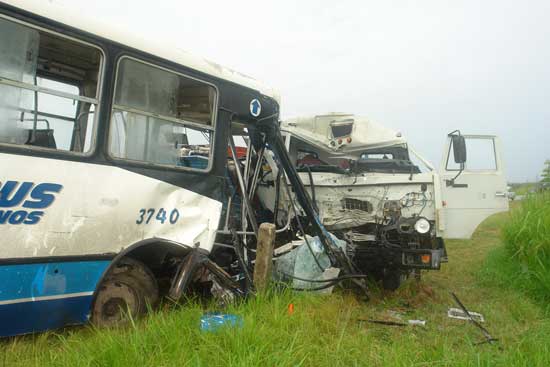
384 322
214 321
396 323
417 322
291 309
488 337
457 313
394 318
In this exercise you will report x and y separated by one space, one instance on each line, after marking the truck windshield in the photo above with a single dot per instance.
394 159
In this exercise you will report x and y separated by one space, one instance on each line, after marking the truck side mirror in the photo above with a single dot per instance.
459 152
459 148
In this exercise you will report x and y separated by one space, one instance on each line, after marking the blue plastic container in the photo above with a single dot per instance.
214 321
194 161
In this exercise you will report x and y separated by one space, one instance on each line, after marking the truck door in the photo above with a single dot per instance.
473 190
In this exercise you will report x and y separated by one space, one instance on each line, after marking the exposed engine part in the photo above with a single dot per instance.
413 199
354 236
356 204
392 209
222 294
405 225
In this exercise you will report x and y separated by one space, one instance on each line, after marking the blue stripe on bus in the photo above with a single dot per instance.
51 279
38 297
30 317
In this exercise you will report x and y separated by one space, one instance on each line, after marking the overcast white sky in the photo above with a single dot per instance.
422 67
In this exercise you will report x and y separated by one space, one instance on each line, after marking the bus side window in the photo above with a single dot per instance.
161 117
48 89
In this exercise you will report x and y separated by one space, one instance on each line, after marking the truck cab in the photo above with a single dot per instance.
394 208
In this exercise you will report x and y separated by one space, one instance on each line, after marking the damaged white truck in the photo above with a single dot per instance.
394 213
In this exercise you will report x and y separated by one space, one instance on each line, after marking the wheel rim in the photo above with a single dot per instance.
115 302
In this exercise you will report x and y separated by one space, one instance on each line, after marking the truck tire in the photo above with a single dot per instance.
127 291
393 278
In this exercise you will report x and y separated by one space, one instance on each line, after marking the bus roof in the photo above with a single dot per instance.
58 13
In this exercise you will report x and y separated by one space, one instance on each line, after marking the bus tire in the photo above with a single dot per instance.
127 291
137 272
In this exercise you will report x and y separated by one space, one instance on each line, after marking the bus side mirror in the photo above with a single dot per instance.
459 148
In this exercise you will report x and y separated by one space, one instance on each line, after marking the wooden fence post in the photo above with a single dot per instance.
264 256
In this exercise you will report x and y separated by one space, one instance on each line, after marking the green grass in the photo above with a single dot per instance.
525 258
325 330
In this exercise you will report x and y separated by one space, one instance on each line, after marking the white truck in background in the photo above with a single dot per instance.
367 190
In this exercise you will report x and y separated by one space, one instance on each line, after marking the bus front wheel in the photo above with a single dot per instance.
127 290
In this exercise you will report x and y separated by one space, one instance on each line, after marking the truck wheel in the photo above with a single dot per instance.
392 279
125 292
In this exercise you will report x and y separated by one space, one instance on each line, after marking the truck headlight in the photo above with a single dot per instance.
422 226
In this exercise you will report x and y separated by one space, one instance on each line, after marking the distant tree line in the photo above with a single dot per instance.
545 176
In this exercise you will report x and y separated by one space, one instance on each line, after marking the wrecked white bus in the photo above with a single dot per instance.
121 181
394 213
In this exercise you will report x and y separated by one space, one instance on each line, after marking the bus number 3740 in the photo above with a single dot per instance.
146 215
